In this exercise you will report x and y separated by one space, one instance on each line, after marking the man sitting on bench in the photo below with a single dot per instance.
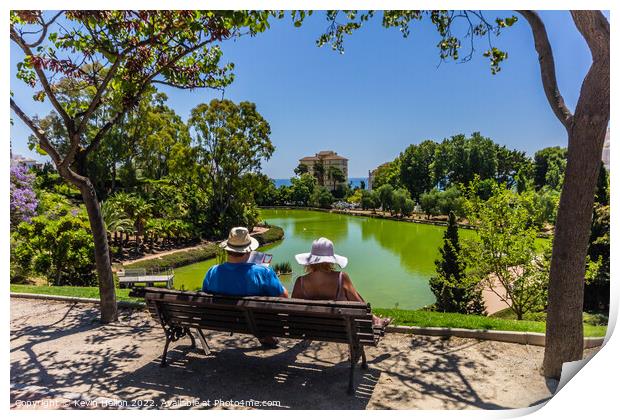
238 277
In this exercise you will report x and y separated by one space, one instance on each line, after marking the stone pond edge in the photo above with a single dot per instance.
517 337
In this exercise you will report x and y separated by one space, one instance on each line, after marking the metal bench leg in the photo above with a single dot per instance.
203 342
163 357
364 364
351 389
191 337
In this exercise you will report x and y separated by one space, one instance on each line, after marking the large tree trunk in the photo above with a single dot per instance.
107 293
586 134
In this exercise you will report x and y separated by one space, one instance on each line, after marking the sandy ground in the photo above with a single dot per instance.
61 357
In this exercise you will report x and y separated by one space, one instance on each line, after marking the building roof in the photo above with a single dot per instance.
324 155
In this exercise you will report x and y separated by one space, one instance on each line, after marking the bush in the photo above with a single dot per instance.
275 233
61 250
322 198
283 268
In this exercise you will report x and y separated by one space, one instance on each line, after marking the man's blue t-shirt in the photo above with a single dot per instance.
242 279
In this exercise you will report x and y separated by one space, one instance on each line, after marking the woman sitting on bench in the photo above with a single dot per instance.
322 282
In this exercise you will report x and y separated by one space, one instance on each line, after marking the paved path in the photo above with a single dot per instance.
60 354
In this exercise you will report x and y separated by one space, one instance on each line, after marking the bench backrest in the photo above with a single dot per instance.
343 322
133 272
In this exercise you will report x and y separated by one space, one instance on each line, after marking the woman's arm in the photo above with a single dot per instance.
349 289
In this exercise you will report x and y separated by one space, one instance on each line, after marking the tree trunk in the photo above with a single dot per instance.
107 292
586 135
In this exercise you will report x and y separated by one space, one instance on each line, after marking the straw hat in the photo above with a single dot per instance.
322 252
239 240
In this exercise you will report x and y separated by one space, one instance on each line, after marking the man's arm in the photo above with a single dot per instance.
285 293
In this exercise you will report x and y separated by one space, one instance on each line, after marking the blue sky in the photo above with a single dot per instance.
383 93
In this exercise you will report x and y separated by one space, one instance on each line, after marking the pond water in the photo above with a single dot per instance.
390 262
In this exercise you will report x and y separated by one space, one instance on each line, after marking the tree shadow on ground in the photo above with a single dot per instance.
296 376
72 352
438 372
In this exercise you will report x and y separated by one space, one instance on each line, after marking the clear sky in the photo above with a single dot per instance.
383 94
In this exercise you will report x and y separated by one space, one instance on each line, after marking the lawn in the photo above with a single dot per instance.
74 291
475 322
401 316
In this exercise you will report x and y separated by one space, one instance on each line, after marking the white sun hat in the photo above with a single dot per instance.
239 240
322 252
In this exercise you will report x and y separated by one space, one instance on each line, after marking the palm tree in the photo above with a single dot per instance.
115 220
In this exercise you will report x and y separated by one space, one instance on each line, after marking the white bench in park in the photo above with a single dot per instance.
133 277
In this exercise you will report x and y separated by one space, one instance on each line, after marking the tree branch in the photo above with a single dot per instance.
38 132
44 30
44 82
547 67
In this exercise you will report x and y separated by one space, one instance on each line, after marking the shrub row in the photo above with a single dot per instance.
191 256
179 258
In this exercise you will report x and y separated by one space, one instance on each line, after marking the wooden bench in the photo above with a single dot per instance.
180 312
131 277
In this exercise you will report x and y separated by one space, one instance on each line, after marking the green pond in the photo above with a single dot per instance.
390 262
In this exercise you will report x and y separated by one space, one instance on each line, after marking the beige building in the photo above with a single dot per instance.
606 150
329 158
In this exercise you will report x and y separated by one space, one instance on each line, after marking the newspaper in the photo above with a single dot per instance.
260 258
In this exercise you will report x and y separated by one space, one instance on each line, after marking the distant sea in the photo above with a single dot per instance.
286 181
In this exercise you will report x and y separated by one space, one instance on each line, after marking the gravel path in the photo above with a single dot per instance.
62 357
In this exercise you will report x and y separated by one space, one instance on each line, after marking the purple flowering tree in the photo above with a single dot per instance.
23 199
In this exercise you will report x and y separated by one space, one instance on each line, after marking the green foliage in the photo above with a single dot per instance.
58 247
321 197
356 197
596 293
388 173
301 169
370 200
475 25
401 202
386 197
437 202
415 168
179 258
273 234
453 290
504 256
422 318
602 186
302 189
283 268
549 167
231 140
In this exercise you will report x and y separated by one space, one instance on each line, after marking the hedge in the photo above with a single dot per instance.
179 258
191 256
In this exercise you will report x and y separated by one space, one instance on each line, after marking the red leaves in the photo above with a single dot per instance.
29 16
66 67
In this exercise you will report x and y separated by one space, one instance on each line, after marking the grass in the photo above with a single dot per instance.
417 318
73 291
475 322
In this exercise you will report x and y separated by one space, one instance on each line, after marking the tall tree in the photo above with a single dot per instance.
549 167
416 168
453 291
231 140
335 175
319 171
585 127
121 54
